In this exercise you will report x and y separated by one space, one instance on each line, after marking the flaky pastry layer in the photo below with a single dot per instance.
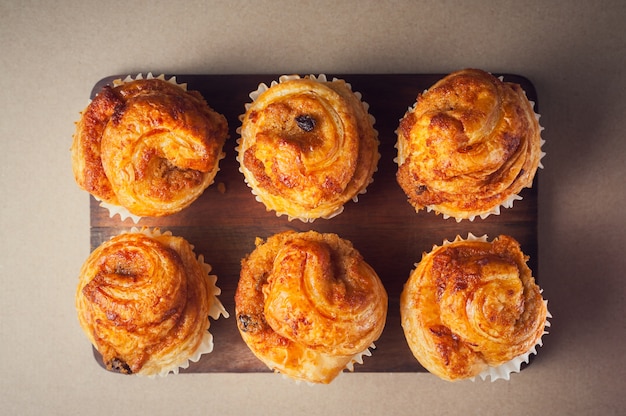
144 299
308 305
307 147
470 305
469 145
148 145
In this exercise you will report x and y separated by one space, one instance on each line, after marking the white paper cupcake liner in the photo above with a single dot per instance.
129 78
508 202
118 210
503 371
216 309
356 359
261 88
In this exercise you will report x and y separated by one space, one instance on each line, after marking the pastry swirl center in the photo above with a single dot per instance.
312 299
138 286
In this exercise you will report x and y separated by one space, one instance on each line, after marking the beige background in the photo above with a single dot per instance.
51 55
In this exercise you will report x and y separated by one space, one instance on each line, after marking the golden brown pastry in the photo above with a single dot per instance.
308 305
307 147
468 146
472 304
144 299
148 145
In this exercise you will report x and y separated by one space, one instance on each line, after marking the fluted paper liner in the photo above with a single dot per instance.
262 87
508 202
503 371
216 309
120 210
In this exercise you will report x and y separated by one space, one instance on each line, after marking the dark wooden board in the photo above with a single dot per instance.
390 235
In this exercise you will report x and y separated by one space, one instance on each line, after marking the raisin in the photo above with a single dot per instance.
421 189
245 322
305 122
119 366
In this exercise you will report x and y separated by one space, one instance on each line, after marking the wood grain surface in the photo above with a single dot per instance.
223 223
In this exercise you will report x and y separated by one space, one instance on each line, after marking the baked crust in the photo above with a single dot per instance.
469 145
143 302
148 145
307 304
307 147
471 304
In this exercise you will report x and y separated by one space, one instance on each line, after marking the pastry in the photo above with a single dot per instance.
308 305
471 306
144 299
147 145
469 145
307 146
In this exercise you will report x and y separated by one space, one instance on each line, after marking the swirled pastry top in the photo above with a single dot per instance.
307 147
471 304
148 145
144 301
468 146
307 304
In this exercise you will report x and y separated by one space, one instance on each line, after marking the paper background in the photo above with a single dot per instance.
51 55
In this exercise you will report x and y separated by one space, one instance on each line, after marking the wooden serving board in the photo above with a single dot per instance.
391 236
